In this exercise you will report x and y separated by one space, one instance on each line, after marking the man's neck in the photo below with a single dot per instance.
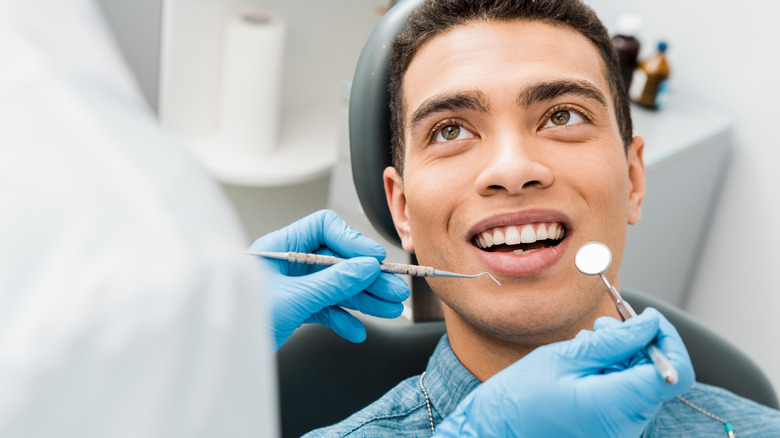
485 354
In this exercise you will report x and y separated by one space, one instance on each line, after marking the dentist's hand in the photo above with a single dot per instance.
306 293
598 384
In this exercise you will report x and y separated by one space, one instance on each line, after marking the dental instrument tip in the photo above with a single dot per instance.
491 277
440 273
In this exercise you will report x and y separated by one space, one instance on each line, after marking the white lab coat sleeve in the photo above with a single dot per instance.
126 307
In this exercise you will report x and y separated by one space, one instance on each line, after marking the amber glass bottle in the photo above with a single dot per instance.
627 46
650 84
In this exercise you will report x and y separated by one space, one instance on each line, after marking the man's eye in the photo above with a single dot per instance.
453 132
564 117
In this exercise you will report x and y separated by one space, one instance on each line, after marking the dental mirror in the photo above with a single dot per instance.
593 258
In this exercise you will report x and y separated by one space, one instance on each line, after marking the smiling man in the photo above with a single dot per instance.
512 159
512 147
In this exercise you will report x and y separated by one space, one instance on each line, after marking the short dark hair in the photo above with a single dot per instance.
434 17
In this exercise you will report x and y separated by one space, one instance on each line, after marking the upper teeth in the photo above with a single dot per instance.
514 235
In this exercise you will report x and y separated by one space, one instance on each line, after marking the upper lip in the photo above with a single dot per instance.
519 218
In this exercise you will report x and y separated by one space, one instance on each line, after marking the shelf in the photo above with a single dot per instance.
307 150
683 123
322 45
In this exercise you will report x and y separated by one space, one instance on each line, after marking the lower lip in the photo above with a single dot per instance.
510 264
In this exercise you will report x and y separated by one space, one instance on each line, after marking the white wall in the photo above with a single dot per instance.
136 26
727 54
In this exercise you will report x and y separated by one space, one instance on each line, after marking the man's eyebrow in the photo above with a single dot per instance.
469 100
546 91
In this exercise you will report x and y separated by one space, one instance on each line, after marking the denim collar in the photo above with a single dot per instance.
446 380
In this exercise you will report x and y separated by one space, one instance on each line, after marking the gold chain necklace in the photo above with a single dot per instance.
726 425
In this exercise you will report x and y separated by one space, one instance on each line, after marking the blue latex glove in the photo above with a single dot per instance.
308 293
598 384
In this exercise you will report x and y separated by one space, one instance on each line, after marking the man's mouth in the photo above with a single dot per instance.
520 239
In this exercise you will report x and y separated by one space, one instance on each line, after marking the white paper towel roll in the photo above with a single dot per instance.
251 82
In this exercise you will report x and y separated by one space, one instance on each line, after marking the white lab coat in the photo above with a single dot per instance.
126 307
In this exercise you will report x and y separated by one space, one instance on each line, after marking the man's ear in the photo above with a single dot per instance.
636 179
396 200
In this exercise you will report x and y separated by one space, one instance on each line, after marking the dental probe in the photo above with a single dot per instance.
393 268
593 258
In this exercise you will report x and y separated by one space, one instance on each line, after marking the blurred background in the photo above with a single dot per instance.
706 239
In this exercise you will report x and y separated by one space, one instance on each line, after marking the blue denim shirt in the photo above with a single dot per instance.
403 411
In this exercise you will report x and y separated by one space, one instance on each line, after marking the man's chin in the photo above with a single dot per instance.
516 324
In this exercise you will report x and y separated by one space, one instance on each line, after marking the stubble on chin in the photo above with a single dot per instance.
525 328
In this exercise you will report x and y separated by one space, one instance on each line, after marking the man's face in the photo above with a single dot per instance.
511 135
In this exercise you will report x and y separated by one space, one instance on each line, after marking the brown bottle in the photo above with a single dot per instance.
627 47
650 84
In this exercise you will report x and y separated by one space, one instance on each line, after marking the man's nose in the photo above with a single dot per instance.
513 164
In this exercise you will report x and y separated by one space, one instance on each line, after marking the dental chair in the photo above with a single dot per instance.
323 378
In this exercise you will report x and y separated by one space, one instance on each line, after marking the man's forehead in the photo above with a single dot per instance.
465 57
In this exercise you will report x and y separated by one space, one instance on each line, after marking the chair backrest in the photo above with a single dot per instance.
715 360
369 119
323 378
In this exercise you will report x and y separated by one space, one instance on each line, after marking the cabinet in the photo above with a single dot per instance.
687 146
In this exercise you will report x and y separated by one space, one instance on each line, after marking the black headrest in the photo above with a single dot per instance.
369 119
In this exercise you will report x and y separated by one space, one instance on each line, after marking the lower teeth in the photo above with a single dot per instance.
524 252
